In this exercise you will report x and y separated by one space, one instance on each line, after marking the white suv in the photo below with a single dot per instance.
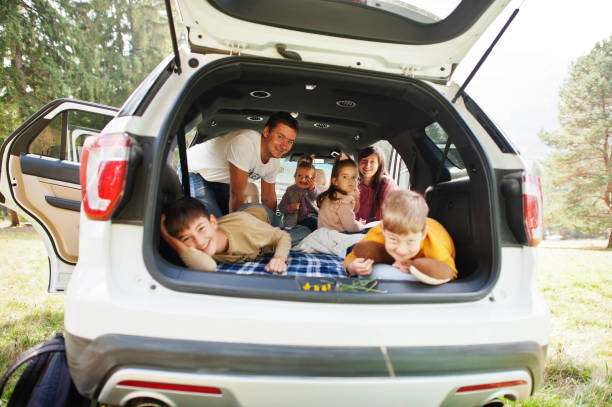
141 328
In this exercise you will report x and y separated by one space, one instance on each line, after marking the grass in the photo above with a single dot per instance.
576 280
575 277
28 314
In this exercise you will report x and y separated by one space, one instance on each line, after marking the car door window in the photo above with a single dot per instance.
64 136
48 143
438 136
396 167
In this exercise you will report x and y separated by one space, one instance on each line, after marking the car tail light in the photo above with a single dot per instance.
488 386
170 386
104 162
532 209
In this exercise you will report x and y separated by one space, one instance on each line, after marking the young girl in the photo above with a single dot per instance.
374 184
336 205
299 205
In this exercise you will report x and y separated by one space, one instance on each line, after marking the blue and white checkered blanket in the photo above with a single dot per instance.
299 264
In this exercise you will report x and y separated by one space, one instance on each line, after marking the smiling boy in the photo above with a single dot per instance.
408 240
200 238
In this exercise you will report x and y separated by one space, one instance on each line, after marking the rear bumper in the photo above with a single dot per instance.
265 391
93 361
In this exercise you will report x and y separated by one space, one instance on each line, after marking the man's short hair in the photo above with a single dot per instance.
404 212
284 118
181 212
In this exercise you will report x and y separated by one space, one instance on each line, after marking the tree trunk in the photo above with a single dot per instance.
14 218
610 240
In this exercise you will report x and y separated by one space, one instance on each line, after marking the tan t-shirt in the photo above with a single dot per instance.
249 234
249 237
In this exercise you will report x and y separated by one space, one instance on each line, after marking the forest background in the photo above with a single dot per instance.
97 50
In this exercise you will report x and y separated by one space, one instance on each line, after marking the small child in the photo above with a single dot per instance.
336 205
408 240
299 201
200 238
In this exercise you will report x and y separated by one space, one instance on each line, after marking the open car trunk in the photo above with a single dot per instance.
338 109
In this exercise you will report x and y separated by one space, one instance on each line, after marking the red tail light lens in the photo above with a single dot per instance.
489 386
532 209
103 172
170 386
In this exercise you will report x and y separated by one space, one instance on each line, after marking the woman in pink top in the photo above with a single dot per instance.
374 184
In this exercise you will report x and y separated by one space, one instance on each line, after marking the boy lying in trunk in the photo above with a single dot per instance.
407 240
200 238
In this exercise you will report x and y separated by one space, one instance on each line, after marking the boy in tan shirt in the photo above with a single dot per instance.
200 238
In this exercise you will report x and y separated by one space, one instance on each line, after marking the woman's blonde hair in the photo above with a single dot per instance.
404 212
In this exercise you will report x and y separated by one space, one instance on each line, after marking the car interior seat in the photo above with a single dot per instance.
450 204
170 191
320 180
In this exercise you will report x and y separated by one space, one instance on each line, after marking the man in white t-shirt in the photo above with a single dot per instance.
219 169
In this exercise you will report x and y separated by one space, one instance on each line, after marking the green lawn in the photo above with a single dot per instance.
28 314
576 280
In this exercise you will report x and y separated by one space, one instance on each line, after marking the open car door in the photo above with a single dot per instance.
39 177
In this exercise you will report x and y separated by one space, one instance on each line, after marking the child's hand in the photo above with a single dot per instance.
311 183
172 241
360 267
277 265
294 207
404 267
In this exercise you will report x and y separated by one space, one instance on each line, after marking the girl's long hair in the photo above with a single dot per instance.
377 180
332 192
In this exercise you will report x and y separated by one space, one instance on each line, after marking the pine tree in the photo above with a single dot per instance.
96 50
580 166
122 42
37 51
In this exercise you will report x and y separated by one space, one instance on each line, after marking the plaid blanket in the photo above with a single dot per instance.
299 264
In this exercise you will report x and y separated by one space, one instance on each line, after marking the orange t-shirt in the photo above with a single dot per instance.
437 244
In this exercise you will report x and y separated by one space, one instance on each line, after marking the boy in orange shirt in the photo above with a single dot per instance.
408 240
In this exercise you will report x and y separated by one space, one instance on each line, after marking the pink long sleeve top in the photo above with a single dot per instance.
366 199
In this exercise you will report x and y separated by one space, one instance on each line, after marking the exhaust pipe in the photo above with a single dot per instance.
494 403
146 402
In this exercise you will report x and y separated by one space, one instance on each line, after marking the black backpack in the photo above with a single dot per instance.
46 380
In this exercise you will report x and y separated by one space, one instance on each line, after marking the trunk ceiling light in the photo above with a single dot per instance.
260 94
346 103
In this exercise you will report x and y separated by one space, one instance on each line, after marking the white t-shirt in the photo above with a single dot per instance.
242 148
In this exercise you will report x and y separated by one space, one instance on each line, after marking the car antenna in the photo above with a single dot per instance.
177 58
485 55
